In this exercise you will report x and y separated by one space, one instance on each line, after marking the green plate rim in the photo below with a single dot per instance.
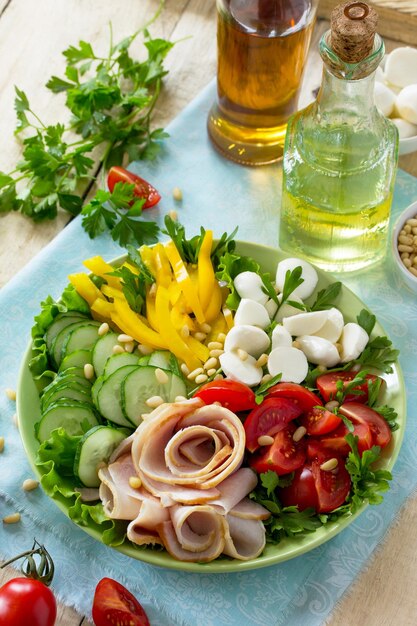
288 548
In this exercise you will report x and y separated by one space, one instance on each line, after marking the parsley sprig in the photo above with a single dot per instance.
110 99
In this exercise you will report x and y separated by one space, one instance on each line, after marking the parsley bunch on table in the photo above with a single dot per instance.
111 99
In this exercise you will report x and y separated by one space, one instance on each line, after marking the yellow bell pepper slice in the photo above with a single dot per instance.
131 323
151 312
163 268
217 326
97 265
199 349
111 292
228 316
85 287
173 340
148 258
183 279
175 292
101 309
215 304
180 319
206 277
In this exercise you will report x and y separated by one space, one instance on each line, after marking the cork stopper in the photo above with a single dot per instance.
353 27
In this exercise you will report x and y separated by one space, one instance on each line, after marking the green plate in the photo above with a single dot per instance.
29 412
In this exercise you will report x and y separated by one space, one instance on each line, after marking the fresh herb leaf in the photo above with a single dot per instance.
326 297
379 354
230 266
134 285
292 281
262 389
269 288
389 414
366 320
374 387
345 388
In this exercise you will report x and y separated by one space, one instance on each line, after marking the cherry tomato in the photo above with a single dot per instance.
332 486
114 604
326 384
230 393
143 189
269 418
283 456
362 414
25 601
336 441
302 491
320 421
304 397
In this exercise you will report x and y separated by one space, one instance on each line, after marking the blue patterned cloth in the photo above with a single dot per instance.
218 195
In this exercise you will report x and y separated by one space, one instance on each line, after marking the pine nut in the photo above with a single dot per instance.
210 363
221 338
265 378
11 519
407 262
185 331
215 345
322 368
211 372
242 354
194 373
135 482
184 369
296 344
263 360
152 290
123 338
88 371
216 353
407 228
412 221
299 433
201 378
180 399
413 270
177 194
218 377
405 255
205 328
329 465
129 346
30 484
103 329
405 239
173 215
413 230
145 350
200 336
154 402
332 404
117 349
10 393
1 444
161 376
403 248
265 440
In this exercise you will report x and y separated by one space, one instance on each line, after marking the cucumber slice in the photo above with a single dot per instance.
95 448
75 418
109 396
95 389
142 384
59 322
160 358
81 338
144 360
102 350
116 361
66 391
78 358
60 339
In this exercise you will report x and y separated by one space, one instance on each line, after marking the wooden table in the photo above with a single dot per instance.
32 37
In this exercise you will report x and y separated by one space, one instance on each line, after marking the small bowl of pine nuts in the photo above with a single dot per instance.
404 245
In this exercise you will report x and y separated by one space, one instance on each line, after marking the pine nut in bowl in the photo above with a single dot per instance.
404 245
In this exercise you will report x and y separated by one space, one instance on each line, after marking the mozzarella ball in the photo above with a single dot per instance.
252 313
252 339
305 323
384 99
272 308
287 310
249 285
406 103
309 275
354 339
280 337
333 326
401 66
290 362
405 129
319 351
246 372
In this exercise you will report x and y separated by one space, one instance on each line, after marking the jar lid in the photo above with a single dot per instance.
353 27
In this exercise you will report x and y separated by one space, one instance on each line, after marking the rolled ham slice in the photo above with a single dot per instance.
245 538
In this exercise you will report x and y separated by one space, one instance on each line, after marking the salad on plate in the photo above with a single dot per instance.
193 402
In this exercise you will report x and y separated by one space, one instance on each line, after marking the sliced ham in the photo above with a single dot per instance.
245 538
234 488
248 509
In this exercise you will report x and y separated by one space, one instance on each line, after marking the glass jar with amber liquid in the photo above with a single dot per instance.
262 47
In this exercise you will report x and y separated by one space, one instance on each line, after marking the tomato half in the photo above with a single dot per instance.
25 601
302 492
332 487
362 414
326 384
304 397
230 393
283 456
142 189
269 418
320 421
114 604
335 441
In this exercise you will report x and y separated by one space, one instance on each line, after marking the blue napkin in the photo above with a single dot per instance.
219 195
